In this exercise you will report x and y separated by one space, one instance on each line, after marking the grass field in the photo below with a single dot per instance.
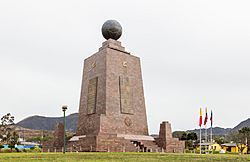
120 157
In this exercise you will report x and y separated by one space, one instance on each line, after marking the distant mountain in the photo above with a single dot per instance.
216 131
48 123
224 131
245 123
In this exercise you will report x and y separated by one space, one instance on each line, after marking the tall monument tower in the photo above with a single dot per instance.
112 99
112 113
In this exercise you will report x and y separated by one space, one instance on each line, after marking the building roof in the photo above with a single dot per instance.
76 138
29 143
205 144
229 144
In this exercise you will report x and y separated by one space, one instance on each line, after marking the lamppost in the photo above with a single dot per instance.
64 108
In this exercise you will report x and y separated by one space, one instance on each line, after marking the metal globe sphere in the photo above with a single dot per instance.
111 29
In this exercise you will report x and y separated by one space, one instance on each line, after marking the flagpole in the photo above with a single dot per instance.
211 135
205 138
200 139
211 120
200 124
205 133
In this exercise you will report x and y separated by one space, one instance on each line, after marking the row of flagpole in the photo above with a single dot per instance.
205 124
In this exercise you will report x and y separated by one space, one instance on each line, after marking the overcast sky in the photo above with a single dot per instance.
193 53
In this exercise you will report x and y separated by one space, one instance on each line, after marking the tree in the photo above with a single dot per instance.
7 120
240 137
178 134
245 134
192 136
233 137
13 140
184 136
8 135
188 137
220 139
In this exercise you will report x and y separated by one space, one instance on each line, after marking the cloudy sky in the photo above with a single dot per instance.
194 54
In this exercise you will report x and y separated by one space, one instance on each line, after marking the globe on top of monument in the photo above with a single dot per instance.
111 29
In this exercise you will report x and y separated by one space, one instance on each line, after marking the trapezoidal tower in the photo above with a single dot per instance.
112 99
112 113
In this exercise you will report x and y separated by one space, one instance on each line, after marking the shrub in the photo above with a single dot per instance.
6 150
37 150
17 150
11 146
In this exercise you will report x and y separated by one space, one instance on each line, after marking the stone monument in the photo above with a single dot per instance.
56 143
112 113
166 140
58 136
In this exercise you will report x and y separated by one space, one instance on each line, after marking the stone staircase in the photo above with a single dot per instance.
146 146
118 144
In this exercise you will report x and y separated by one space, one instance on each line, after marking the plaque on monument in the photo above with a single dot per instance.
92 94
125 95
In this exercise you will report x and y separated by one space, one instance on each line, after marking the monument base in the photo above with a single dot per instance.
114 143
128 143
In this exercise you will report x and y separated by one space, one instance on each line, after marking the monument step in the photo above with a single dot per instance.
147 146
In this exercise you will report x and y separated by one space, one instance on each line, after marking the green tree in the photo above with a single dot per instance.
192 136
244 134
189 138
220 139
8 135
233 137
13 140
184 136
6 127
178 134
240 137
7 119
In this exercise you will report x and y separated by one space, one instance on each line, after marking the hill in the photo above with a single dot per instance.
31 133
245 123
216 131
224 131
48 123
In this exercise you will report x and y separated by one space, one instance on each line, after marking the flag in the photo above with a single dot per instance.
206 117
200 122
211 118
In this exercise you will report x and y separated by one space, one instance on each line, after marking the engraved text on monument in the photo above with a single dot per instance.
92 94
125 95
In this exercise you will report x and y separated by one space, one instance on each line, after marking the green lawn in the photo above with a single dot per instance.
119 157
